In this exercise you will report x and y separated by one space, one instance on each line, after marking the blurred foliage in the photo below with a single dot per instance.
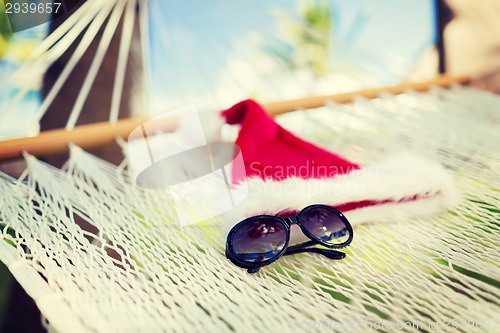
17 48
5 31
22 49
305 42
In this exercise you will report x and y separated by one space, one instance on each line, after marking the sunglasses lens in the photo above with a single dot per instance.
325 224
259 240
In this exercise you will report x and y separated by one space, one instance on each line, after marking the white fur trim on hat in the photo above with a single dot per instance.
405 186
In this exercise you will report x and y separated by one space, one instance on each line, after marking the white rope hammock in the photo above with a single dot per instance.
99 254
132 268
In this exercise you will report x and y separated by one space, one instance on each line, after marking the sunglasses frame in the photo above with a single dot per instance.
287 222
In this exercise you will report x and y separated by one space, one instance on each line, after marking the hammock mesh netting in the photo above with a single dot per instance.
98 253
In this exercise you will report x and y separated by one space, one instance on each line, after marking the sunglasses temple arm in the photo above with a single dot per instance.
301 246
255 269
305 247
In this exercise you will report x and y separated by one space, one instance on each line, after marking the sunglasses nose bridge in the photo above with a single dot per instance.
292 220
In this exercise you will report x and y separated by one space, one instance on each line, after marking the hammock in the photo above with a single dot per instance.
131 267
98 253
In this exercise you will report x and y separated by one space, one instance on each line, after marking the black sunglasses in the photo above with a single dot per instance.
260 240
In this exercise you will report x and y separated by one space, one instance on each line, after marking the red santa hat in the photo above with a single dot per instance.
283 174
